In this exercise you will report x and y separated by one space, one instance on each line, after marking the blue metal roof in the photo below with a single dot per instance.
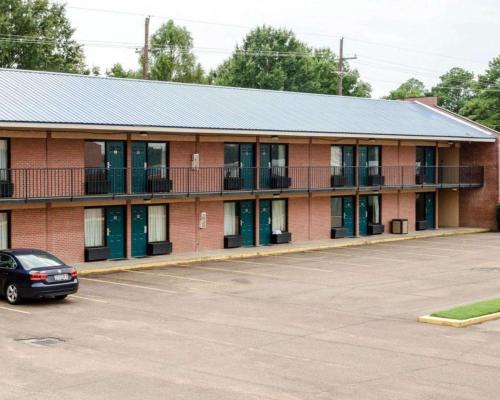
55 98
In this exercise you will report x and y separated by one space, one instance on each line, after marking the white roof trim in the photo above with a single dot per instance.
127 128
458 119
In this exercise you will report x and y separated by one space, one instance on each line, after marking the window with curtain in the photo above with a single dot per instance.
374 209
157 159
94 227
336 159
336 212
231 219
4 160
278 159
231 160
157 223
4 230
95 155
278 214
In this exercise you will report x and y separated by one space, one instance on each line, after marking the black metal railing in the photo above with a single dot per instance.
75 183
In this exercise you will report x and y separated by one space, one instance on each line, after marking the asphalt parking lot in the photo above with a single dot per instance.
333 324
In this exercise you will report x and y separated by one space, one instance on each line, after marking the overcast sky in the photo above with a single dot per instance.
393 39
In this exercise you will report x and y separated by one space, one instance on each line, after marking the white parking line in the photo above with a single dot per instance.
14 310
88 298
282 266
131 285
328 261
175 276
229 271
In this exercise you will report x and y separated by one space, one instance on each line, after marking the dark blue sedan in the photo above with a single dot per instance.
35 274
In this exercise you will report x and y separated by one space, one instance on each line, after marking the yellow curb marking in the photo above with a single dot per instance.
131 285
14 310
458 323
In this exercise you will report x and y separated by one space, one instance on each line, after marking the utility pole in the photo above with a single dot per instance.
145 52
341 65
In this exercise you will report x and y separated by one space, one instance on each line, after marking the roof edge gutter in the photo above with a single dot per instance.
215 131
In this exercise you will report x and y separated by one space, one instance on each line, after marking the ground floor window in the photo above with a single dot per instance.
231 218
337 214
374 209
4 230
278 216
94 227
157 223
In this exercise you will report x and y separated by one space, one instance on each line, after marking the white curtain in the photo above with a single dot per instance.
278 213
337 212
230 219
157 223
94 227
4 160
336 156
4 231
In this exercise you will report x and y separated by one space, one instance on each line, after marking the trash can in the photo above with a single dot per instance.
399 226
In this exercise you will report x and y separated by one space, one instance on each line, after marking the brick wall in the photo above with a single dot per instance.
298 218
320 161
66 237
320 218
183 225
477 206
181 156
407 208
212 237
389 209
29 228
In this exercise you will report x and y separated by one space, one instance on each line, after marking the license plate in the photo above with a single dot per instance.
61 277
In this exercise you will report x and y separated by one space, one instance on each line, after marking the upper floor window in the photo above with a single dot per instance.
157 155
95 154
279 155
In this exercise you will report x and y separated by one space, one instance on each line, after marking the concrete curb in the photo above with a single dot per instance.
273 252
458 323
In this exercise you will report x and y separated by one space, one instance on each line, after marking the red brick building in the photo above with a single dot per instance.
94 168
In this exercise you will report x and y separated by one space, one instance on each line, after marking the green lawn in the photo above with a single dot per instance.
471 310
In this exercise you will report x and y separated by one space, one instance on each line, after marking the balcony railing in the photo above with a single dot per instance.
79 183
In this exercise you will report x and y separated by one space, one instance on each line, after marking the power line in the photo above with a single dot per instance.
252 27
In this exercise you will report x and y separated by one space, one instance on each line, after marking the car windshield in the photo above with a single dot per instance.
38 260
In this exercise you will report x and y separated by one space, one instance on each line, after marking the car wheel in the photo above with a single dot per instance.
61 297
12 294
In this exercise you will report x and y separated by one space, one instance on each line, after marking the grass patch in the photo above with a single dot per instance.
471 310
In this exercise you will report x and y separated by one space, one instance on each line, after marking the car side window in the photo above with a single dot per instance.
7 262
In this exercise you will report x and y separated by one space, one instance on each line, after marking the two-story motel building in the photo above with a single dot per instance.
101 168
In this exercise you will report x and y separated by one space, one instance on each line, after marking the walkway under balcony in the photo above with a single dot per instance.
48 184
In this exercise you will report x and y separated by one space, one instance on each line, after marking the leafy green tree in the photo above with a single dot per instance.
484 107
411 88
37 35
454 89
119 71
172 57
272 58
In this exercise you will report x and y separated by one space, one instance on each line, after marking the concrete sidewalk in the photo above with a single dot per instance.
104 267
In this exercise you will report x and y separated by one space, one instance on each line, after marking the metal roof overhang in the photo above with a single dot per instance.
214 131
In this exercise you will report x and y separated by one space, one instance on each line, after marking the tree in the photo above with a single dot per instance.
37 35
411 88
454 89
119 71
484 107
272 58
172 58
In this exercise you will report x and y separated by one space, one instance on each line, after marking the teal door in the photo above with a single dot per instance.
363 215
348 164
115 157
265 166
138 167
247 165
430 162
247 222
115 231
348 214
430 210
265 222
363 165
139 230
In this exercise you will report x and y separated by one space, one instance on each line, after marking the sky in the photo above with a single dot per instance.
393 40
